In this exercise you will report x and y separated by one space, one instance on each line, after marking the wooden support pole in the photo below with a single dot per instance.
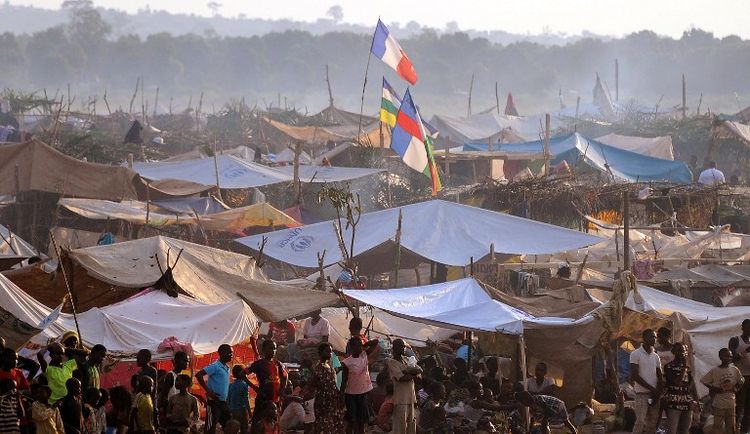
684 97
397 265
447 156
626 233
297 183
68 286
471 89
617 80
546 143
497 99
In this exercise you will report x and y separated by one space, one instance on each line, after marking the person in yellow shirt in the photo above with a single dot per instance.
144 407
58 372
46 417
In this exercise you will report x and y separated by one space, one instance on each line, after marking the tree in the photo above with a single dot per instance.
336 13
214 6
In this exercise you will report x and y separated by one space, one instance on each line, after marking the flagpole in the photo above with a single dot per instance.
364 85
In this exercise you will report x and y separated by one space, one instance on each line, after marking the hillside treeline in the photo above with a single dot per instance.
289 67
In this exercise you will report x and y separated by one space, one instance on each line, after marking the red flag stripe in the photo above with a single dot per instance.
409 125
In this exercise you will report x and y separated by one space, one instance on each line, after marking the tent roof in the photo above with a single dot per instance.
238 173
623 165
461 304
722 276
441 231
659 147
141 321
481 127
233 172
259 214
42 168
13 245
320 174
207 274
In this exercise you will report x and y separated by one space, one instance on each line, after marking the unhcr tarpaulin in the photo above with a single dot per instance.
142 321
622 165
233 172
34 166
11 245
441 231
659 147
462 304
210 275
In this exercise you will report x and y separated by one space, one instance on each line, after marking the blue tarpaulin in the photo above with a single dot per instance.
622 165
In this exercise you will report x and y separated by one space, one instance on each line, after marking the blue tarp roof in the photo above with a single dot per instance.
621 164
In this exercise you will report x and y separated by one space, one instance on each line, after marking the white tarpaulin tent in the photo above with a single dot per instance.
441 231
460 304
659 147
133 211
142 321
210 275
13 245
319 174
233 172
708 328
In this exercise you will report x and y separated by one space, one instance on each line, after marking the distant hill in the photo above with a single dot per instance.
28 20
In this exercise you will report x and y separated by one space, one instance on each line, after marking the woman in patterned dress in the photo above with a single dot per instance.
329 401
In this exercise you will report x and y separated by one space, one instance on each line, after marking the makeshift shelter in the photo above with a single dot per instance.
619 164
243 152
131 211
209 275
659 147
226 170
436 230
316 136
486 126
466 305
199 205
510 106
146 320
260 214
13 249
324 174
707 328
35 166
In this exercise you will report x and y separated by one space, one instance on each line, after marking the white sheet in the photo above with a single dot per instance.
438 230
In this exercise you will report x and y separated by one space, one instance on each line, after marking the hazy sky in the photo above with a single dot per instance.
608 17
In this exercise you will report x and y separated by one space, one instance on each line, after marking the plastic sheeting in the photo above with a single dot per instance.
322 174
142 321
132 211
622 165
444 232
14 246
481 127
35 166
461 304
207 274
708 328
261 214
185 205
659 147
233 172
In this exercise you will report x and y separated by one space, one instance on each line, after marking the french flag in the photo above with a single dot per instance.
385 47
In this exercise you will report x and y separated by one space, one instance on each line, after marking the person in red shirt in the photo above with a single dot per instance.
355 330
8 369
282 332
271 376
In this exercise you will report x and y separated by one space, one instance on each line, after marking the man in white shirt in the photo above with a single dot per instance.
712 175
646 373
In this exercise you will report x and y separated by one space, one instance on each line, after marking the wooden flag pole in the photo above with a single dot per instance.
364 87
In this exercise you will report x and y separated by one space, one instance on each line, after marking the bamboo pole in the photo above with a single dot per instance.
546 143
397 265
626 233
67 286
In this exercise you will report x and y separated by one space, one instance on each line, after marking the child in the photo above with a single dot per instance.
91 423
546 409
386 409
723 382
10 409
267 419
237 398
47 419
182 409
100 409
358 385
71 408
143 407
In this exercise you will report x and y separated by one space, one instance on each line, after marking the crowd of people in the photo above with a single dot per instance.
61 392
